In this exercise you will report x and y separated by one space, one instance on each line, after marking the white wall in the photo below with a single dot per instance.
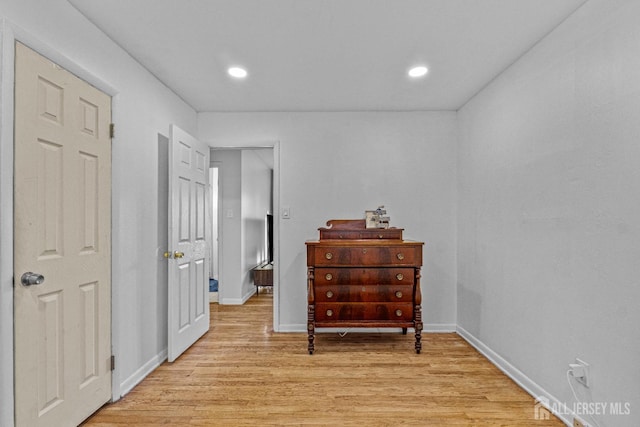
256 202
230 227
549 209
142 109
337 165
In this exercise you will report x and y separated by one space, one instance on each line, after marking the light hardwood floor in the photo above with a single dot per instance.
241 373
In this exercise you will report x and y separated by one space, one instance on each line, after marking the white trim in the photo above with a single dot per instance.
238 301
127 385
293 328
213 297
276 236
7 40
439 328
526 383
55 55
275 145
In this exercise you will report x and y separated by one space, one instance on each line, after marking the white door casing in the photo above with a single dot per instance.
62 230
188 253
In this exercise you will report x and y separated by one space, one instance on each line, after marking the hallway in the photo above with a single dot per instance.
241 373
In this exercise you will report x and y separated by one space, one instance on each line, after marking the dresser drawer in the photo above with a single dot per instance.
388 312
364 276
364 293
367 255
378 233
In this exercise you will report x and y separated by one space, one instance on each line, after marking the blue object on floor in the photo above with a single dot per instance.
213 285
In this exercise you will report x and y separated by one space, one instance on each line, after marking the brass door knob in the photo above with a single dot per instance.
177 254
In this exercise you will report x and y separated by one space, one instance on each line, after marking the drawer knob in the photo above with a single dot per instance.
329 294
364 251
399 276
329 313
380 236
328 255
400 256
328 276
398 294
398 313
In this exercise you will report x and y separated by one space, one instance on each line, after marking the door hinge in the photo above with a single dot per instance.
113 362
112 130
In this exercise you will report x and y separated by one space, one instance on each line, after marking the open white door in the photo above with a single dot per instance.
188 253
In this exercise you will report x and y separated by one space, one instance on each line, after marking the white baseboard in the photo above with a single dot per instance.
527 384
127 385
238 301
213 297
293 327
439 328
248 295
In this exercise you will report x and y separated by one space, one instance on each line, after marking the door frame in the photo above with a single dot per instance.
9 34
275 146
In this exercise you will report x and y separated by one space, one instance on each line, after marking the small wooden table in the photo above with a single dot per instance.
263 276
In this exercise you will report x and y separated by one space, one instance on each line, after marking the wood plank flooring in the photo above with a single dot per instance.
241 373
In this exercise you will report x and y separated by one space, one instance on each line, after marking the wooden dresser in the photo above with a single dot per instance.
363 277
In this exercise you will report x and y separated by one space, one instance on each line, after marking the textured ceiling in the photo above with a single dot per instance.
326 55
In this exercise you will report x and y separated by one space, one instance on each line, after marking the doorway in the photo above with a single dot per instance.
247 200
214 261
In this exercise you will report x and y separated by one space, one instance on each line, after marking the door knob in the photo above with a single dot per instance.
29 279
177 254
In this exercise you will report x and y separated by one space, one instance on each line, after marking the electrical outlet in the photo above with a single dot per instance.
580 371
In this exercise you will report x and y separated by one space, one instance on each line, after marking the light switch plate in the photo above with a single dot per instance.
286 212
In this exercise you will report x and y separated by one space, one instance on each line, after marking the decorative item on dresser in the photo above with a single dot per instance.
363 277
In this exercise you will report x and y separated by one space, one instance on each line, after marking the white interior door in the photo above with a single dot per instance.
188 253
63 236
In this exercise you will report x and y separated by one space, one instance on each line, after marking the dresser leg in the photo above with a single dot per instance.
311 344
404 331
418 322
311 326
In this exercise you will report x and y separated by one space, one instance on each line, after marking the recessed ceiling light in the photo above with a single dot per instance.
418 71
237 72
